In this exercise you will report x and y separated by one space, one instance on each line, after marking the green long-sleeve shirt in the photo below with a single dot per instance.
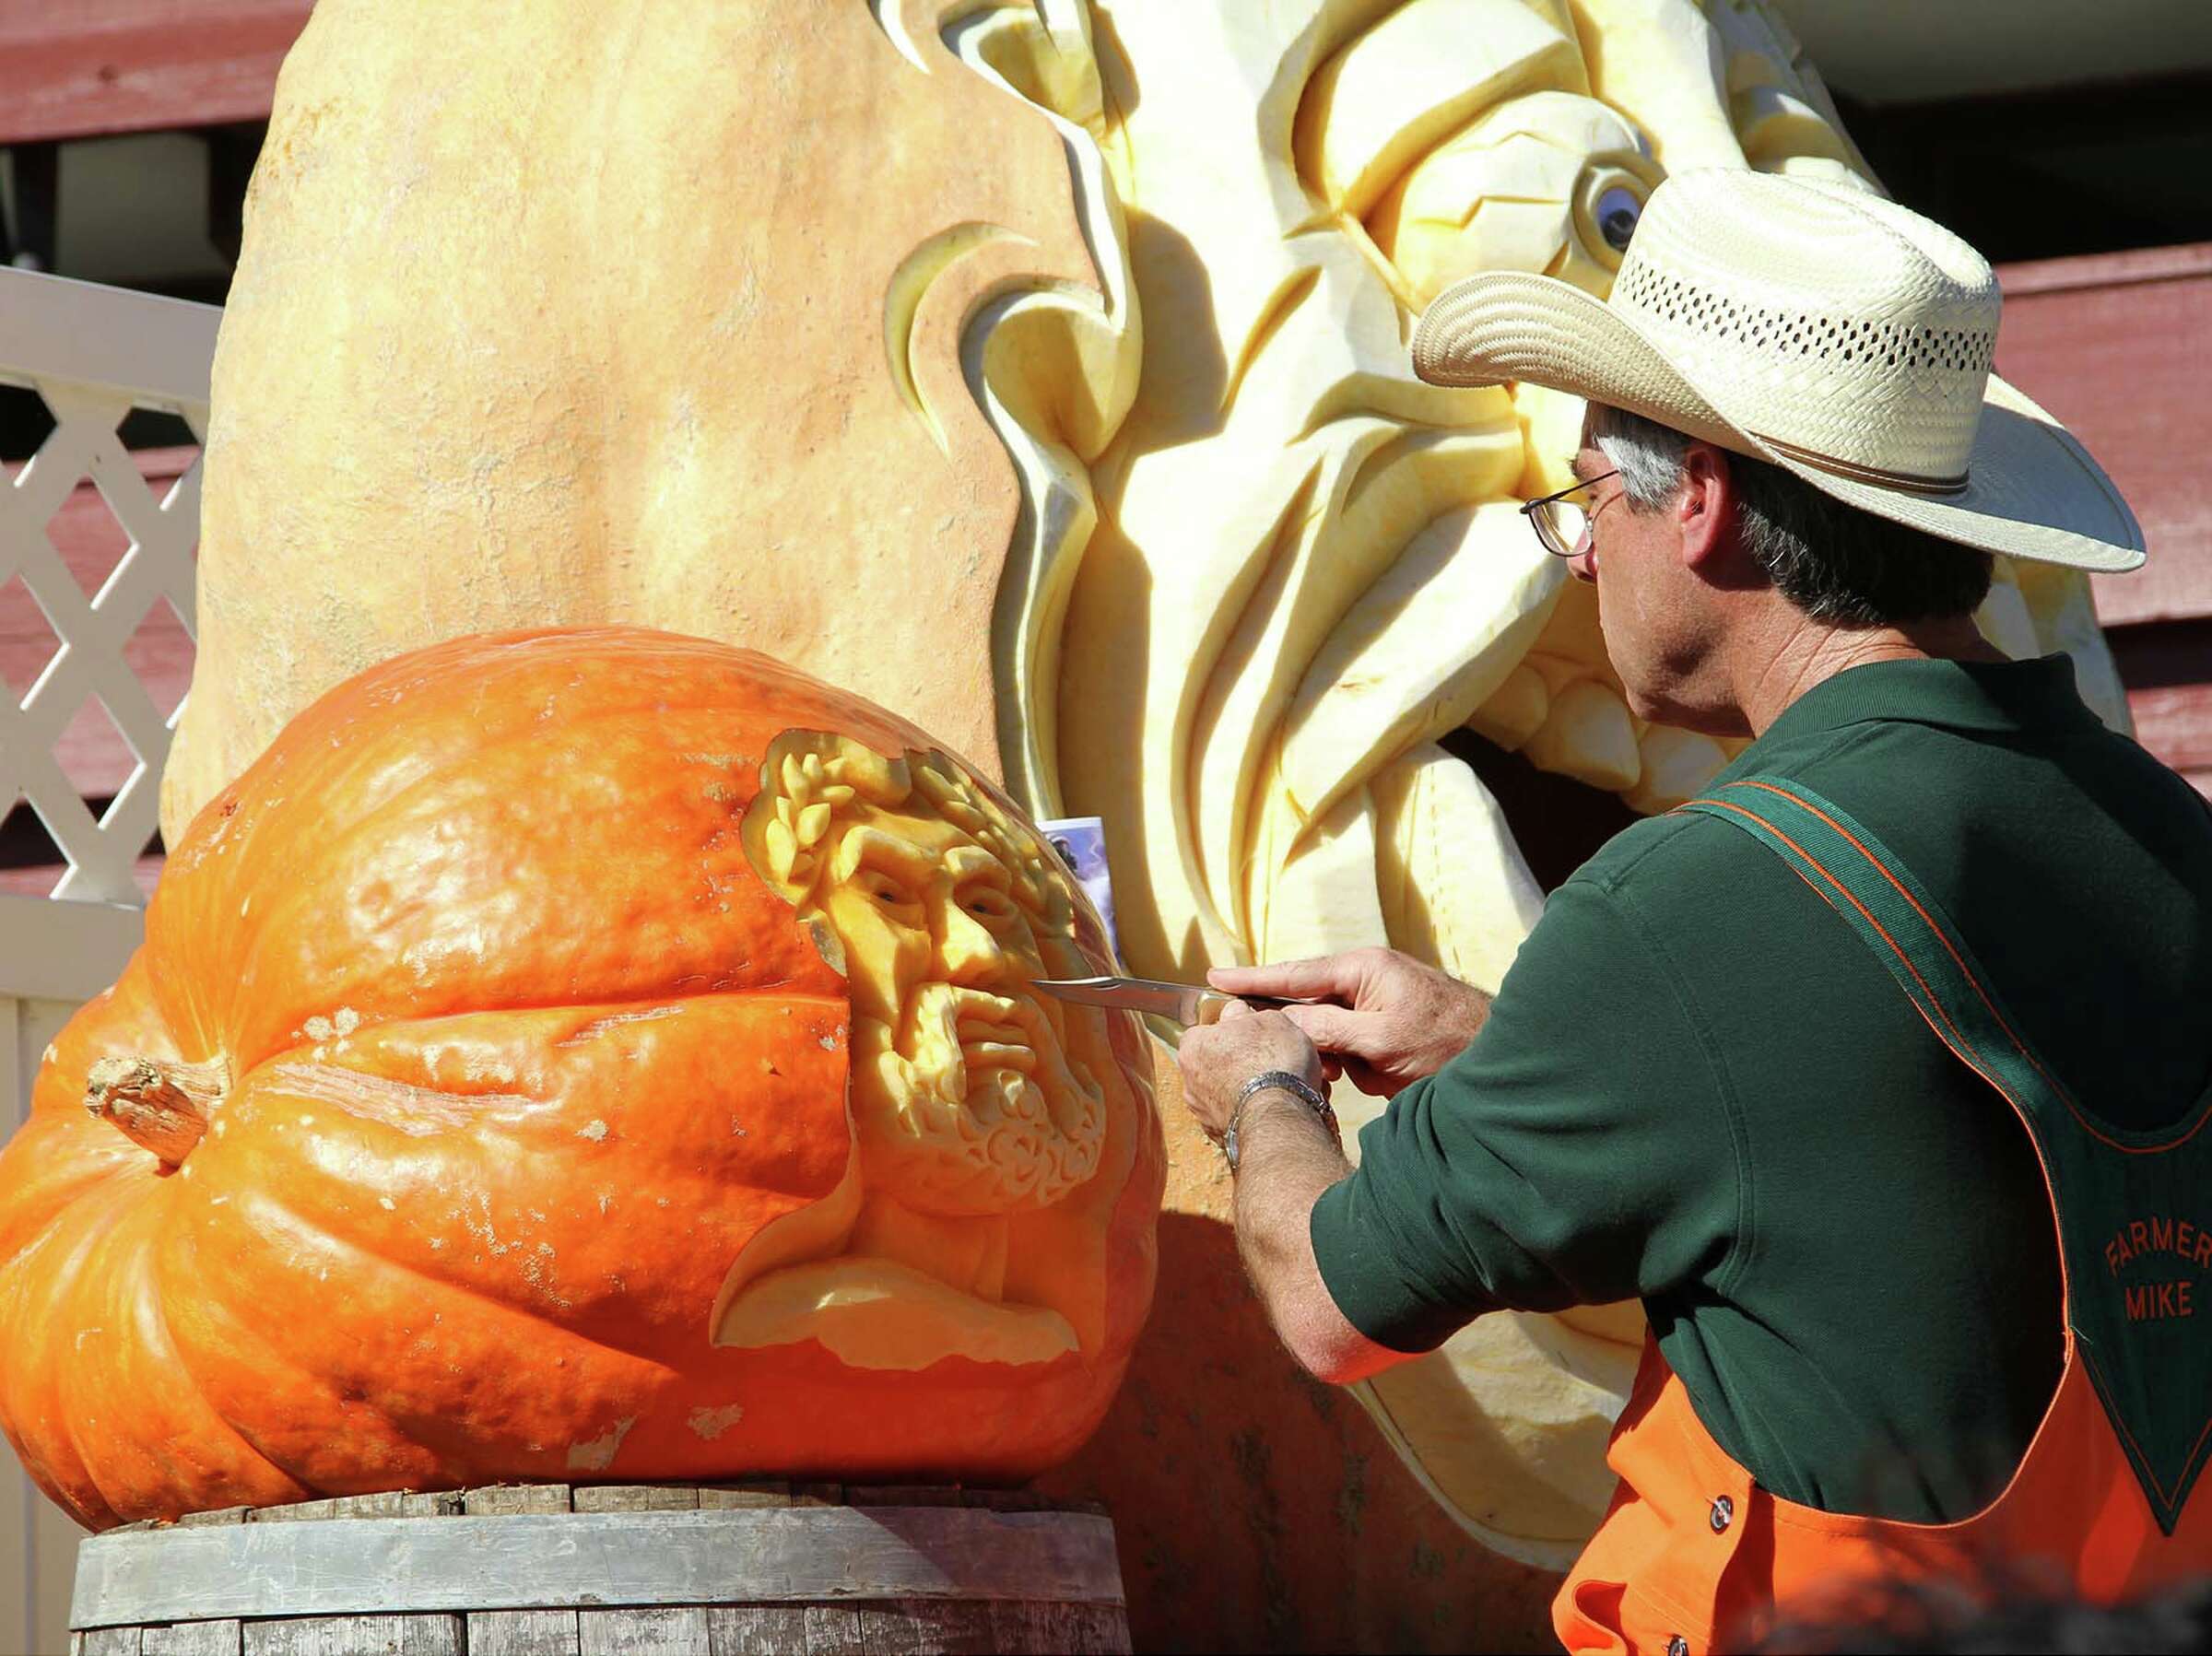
1697 1088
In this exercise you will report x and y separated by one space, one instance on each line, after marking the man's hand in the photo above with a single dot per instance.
1218 1061
1380 1017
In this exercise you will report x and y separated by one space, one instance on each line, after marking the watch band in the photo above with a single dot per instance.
1299 1087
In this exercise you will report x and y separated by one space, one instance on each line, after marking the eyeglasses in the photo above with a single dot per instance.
1560 523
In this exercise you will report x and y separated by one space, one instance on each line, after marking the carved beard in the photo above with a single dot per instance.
978 1109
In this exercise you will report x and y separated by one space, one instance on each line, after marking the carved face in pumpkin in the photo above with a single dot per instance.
506 1112
980 1113
965 1099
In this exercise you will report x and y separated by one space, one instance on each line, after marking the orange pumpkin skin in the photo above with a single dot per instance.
517 1053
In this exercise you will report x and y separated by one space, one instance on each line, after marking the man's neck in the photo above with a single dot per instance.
1811 653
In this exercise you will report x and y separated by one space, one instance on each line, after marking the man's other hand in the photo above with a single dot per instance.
1217 1062
1382 1019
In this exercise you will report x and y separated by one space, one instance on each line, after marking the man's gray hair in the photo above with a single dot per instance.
1833 562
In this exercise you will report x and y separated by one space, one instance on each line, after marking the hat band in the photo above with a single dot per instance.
1865 474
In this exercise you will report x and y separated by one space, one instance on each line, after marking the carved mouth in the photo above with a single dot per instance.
959 1037
988 1041
982 1106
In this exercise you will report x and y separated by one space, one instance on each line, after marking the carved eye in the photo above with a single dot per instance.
988 906
1618 209
887 894
1608 204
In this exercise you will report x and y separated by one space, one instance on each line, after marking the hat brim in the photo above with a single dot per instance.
2032 491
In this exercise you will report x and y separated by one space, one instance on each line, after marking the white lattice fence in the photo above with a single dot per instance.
90 354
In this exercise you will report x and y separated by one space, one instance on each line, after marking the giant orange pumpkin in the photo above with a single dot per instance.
574 1055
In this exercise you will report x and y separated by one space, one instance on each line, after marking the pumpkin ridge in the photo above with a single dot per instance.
58 1260
154 1308
445 766
96 1159
106 1228
407 1426
306 894
34 1250
366 1258
270 1364
308 1043
271 1097
283 765
355 1092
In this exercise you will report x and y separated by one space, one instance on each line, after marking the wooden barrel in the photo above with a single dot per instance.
545 1569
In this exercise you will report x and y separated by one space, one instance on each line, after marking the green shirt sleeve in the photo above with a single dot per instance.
1580 1150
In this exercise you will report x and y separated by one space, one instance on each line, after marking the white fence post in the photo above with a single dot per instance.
92 354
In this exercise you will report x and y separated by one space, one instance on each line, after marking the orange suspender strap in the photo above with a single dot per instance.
2152 1372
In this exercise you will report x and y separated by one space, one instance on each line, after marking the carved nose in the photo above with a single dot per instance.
971 955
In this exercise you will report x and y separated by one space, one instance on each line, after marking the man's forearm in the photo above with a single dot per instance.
1286 1156
1285 1159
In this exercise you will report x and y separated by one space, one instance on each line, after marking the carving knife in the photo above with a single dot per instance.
1180 1002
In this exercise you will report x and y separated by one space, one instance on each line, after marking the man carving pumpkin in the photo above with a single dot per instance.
1036 368
1821 1065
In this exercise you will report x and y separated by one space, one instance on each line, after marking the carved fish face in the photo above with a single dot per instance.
1300 596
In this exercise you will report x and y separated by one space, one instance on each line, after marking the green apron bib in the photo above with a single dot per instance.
2132 1207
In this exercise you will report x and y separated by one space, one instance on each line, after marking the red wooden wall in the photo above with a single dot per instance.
2120 348
79 68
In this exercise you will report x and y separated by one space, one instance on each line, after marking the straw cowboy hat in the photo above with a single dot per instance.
1819 326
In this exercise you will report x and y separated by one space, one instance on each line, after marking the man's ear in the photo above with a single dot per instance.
1707 509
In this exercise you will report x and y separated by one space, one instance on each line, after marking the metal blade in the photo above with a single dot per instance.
1178 1001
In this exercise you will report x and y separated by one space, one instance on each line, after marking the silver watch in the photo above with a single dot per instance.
1299 1087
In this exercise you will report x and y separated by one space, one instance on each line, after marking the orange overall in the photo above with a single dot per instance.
1693 1553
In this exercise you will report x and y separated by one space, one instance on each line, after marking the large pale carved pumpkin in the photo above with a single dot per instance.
1037 369
572 1056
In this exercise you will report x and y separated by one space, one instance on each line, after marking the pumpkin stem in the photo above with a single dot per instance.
163 1107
